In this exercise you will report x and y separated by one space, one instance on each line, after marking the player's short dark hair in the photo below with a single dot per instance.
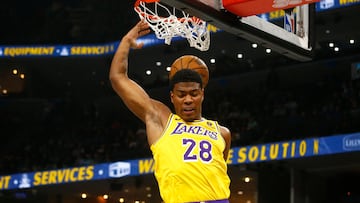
185 75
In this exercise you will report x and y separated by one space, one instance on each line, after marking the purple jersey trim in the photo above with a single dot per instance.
214 201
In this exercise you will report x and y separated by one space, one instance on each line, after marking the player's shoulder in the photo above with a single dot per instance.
158 112
224 130
226 134
160 107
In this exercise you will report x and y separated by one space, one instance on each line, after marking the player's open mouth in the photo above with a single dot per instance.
188 111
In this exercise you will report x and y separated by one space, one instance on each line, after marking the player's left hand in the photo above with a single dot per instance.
140 29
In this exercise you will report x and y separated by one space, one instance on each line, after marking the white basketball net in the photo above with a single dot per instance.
166 27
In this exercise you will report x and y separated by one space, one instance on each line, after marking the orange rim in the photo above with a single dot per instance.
137 3
152 17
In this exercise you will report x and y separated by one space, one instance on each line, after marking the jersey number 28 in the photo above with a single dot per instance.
204 150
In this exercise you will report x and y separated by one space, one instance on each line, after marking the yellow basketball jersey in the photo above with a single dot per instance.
189 163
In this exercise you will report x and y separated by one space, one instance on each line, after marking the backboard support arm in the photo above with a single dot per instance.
245 27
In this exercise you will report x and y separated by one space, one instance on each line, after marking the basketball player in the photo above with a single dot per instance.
190 152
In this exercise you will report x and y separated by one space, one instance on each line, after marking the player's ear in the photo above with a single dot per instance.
172 96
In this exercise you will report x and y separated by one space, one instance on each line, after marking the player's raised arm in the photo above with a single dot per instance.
153 113
134 96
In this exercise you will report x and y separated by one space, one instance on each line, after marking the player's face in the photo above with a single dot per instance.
187 98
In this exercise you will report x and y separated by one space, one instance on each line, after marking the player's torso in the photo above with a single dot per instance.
189 163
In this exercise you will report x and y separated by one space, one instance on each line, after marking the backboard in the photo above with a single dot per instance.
249 19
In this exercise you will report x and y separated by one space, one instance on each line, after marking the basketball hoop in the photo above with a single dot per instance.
167 25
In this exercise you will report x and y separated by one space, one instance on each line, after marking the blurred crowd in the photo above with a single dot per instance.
65 21
59 133
310 110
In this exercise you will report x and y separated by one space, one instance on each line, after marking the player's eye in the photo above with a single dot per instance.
195 93
181 94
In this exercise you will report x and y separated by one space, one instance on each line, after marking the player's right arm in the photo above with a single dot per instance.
153 113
